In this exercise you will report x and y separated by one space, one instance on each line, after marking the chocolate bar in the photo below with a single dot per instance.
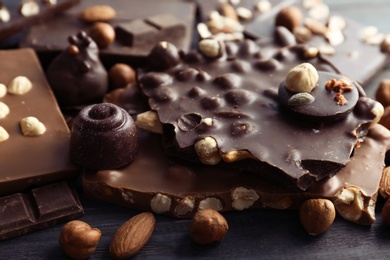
165 185
169 20
15 16
28 161
230 108
38 208
350 49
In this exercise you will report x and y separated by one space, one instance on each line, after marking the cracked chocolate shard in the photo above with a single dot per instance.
232 113
39 208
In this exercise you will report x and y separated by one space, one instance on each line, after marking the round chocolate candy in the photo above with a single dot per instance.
332 99
103 136
164 56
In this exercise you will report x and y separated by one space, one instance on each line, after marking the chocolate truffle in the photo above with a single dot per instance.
77 76
103 137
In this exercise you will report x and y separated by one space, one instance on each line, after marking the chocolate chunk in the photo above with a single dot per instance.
38 208
31 161
230 96
167 19
15 17
184 187
136 33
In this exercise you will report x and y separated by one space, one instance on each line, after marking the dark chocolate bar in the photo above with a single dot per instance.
165 185
28 161
17 15
234 100
161 20
38 208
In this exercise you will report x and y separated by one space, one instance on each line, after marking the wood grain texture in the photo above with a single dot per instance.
256 234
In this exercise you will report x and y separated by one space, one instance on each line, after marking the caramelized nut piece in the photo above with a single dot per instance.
19 85
207 151
31 126
208 226
4 110
3 134
149 121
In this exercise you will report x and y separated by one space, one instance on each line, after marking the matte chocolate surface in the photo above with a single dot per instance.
18 21
160 20
354 56
39 208
239 95
31 161
155 179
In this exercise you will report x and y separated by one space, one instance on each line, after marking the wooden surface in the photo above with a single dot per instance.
259 234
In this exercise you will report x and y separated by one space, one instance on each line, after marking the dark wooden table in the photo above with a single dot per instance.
259 234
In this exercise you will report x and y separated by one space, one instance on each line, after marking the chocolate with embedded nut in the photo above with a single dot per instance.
38 208
238 93
31 161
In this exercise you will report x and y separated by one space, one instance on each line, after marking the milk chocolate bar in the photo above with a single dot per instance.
344 42
161 20
15 16
165 185
38 208
28 161
231 106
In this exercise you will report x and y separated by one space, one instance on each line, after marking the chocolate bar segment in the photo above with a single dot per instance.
22 14
31 161
39 208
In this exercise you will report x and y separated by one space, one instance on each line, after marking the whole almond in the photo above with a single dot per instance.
132 235
317 215
97 13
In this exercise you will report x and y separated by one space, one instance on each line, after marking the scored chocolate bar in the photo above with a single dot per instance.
228 109
15 16
355 49
38 208
139 25
165 185
36 152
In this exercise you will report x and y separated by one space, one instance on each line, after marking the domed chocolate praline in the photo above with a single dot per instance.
103 136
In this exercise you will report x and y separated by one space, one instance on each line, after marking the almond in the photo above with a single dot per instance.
317 215
132 235
97 13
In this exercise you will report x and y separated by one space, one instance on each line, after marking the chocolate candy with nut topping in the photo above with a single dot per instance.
178 189
77 76
340 40
31 161
103 137
228 109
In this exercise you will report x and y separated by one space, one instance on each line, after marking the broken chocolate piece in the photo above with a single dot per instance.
31 161
38 208
302 152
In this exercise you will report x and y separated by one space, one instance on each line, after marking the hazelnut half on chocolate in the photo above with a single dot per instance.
103 136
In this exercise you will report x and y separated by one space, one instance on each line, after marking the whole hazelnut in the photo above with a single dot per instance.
302 78
289 17
121 75
103 34
79 239
317 215
208 226
382 94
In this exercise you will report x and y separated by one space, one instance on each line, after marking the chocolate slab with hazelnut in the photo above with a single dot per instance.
36 151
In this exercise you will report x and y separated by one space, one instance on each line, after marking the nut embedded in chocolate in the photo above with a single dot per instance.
164 56
103 136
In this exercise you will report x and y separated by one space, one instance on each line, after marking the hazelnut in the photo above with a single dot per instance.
3 90
302 78
382 94
19 85
31 126
208 226
386 213
385 119
3 134
210 48
79 239
103 34
120 75
317 215
289 17
4 110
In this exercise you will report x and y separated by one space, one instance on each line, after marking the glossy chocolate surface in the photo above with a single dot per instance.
240 95
18 22
31 161
39 208
50 38
188 185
